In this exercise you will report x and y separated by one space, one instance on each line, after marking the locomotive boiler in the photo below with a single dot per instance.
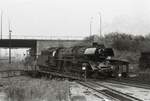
78 61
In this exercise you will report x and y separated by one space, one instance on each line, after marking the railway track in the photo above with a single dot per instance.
36 73
129 83
108 92
98 91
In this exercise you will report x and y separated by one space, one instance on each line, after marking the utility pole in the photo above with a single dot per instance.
91 21
100 24
9 43
1 23
1 27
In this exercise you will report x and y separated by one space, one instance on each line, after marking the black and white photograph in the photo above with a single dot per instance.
74 50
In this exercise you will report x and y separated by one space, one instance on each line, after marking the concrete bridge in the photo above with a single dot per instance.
36 45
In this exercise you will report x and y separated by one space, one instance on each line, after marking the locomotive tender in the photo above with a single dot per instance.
80 62
144 60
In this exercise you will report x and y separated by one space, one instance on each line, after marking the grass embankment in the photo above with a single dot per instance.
12 66
27 89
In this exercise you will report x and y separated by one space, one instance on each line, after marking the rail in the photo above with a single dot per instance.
36 73
130 83
98 91
119 93
109 92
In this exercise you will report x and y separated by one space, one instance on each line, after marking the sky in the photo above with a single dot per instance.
73 17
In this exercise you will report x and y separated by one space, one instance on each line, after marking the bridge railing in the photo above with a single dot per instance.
44 37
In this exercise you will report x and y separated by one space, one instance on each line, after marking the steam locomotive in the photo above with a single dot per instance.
81 62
